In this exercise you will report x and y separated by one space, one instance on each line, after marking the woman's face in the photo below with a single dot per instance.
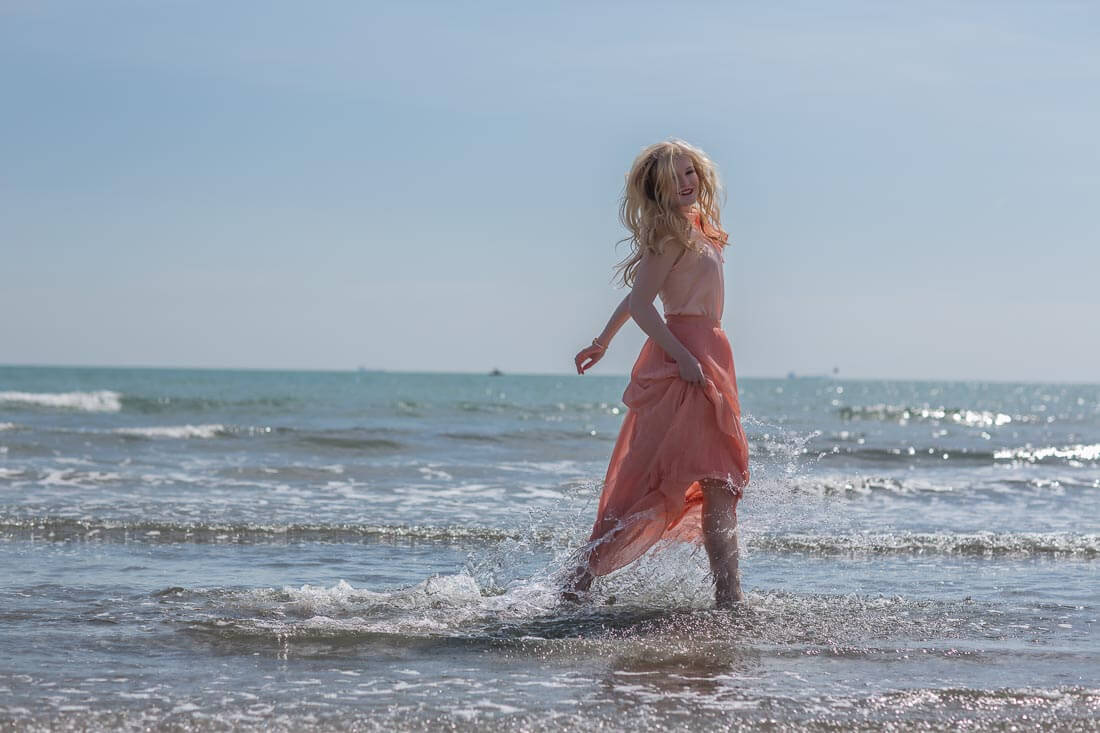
687 181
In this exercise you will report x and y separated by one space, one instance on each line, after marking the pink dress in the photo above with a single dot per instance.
675 433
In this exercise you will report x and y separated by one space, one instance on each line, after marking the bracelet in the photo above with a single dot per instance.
596 342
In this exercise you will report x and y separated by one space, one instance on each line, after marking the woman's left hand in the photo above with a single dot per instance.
587 357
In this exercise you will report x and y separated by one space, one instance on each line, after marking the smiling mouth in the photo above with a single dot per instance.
687 192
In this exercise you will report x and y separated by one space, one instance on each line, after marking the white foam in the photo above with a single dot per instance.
435 473
830 484
557 468
79 479
439 604
100 401
8 426
174 431
316 600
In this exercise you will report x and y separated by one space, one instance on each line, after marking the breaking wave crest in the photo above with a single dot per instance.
1051 544
935 543
176 431
1071 455
98 401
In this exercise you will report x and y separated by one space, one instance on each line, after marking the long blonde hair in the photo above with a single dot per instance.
648 207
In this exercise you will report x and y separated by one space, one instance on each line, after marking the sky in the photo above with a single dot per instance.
912 189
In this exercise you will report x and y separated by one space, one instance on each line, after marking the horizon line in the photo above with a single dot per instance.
790 376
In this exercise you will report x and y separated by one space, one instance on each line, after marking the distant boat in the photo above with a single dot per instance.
496 373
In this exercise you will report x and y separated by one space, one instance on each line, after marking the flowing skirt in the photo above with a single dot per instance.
675 434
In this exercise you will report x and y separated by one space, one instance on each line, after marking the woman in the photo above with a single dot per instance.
680 463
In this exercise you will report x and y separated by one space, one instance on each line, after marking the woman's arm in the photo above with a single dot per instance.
648 279
587 357
620 316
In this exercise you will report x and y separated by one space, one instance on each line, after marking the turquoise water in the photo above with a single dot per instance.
215 549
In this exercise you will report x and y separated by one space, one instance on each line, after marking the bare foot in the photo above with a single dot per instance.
729 598
577 585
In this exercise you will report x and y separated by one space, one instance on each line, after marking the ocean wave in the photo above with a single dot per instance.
1057 544
157 405
77 478
99 401
63 529
8 426
442 604
866 485
904 456
1049 544
1072 455
475 437
350 438
915 484
366 439
176 431
958 415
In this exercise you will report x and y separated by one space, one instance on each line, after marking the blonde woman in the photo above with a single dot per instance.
680 463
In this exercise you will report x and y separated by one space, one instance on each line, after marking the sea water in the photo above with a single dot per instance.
204 550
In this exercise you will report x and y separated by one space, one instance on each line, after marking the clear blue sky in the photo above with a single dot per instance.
913 188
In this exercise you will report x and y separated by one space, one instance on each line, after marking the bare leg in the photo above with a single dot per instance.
720 539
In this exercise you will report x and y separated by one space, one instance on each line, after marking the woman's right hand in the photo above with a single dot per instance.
691 370
587 357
